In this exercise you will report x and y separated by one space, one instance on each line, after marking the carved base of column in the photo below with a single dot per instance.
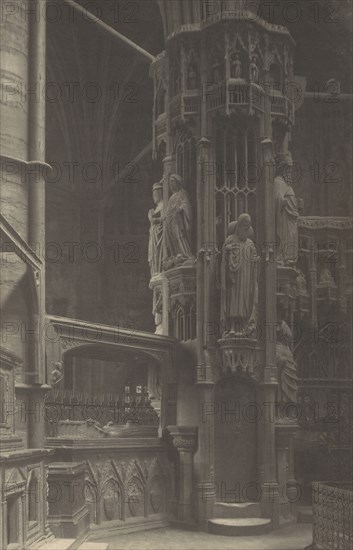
184 440
289 497
270 503
206 498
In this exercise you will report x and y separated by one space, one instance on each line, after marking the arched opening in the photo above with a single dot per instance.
235 440
13 532
108 387
33 499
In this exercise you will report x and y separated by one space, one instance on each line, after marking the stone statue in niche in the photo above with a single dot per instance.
239 280
286 212
178 224
155 216
254 71
236 67
158 309
191 81
301 282
287 368
326 278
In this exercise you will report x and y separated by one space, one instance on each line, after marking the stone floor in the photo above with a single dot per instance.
296 537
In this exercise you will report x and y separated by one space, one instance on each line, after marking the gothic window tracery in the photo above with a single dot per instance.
236 176
184 321
186 161
160 100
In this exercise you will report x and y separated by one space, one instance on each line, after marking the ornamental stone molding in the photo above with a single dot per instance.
182 283
319 222
241 356
184 438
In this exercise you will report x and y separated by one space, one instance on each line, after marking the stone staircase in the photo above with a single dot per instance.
238 519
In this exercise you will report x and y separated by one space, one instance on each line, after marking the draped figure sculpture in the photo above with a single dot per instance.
287 368
239 279
178 223
155 216
286 212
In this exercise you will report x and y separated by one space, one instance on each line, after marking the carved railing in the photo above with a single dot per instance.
175 107
238 94
191 103
216 96
332 516
65 407
278 105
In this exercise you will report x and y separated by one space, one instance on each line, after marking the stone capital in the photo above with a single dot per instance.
184 438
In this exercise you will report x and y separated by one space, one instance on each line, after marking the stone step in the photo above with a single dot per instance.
239 527
93 546
237 510
54 544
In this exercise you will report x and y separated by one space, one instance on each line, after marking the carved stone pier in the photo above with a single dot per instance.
184 440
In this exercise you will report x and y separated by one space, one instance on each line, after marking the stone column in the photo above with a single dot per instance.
267 440
36 214
205 480
167 170
269 318
184 439
36 156
313 283
342 275
290 495
23 521
3 519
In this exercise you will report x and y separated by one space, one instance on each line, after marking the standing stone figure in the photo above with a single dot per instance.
301 283
178 222
254 71
287 368
239 270
236 66
286 213
158 309
155 216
